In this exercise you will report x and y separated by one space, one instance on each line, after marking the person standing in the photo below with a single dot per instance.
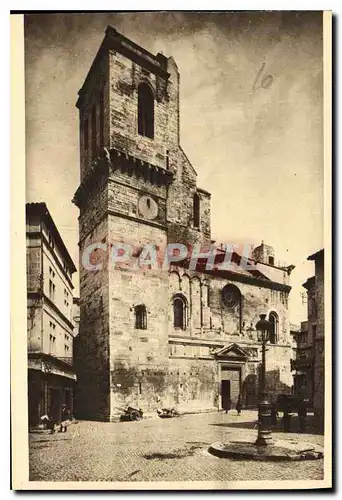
274 415
239 406
64 418
302 413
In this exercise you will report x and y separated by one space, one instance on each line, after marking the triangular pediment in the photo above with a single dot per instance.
232 351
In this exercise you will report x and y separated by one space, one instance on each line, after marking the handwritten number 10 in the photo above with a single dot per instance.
262 81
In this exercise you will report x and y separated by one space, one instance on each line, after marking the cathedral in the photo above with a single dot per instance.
154 336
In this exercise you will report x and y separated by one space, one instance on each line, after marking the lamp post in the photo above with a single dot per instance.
264 415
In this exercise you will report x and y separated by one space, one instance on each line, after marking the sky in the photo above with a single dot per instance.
251 120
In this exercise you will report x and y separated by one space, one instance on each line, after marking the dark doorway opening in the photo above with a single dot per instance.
55 404
225 394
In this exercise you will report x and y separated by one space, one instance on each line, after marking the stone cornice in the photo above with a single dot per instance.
130 165
117 160
242 278
114 180
181 339
137 219
156 64
200 190
54 361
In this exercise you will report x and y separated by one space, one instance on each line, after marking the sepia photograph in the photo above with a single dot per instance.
177 306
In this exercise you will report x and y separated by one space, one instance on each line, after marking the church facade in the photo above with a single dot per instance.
153 335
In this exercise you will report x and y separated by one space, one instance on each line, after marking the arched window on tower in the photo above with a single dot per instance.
145 111
179 312
273 319
196 208
140 317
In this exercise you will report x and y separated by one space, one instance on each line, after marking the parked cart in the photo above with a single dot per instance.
130 414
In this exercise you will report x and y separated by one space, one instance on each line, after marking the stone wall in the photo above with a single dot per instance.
34 264
204 292
34 284
225 326
132 350
163 365
92 343
180 205
94 212
34 325
124 199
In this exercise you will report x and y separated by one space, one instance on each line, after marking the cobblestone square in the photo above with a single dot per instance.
154 449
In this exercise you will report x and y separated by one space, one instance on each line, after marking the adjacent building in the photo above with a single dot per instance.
50 330
315 293
302 362
76 315
149 335
308 362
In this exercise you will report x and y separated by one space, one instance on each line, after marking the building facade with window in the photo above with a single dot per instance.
50 331
149 335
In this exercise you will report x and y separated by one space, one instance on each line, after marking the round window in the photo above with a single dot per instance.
230 296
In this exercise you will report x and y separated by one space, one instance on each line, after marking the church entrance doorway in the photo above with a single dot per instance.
230 386
225 394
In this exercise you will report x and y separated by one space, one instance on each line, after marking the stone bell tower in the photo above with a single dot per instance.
137 187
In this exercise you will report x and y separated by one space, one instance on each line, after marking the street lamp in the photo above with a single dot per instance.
264 415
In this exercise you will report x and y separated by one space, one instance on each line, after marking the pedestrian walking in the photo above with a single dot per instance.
287 421
274 416
44 419
227 405
287 416
302 412
239 406
64 418
50 425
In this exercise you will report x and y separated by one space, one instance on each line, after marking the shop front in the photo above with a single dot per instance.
51 384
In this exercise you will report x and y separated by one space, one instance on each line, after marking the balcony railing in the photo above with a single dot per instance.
51 358
303 364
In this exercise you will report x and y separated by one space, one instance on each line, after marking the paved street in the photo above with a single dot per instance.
159 450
